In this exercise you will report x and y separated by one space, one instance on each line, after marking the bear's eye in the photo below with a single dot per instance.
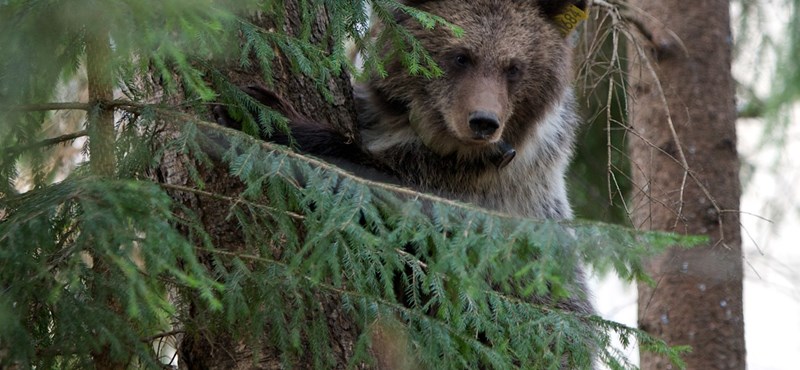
461 60
513 72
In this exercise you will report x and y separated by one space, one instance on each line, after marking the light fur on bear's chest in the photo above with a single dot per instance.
523 189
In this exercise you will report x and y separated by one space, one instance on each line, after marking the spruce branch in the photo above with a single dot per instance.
393 306
408 194
411 194
134 107
232 200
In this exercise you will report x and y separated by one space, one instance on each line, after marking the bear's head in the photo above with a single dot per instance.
507 71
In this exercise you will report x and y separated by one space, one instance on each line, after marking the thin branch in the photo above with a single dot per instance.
48 107
40 107
161 335
409 255
230 199
46 142
688 173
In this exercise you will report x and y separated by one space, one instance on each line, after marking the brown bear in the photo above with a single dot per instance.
504 92
496 129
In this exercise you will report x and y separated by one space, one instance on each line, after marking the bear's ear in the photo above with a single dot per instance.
553 8
565 14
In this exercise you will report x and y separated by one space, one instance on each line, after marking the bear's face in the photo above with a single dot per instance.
507 70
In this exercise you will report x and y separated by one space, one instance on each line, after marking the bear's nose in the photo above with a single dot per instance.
483 123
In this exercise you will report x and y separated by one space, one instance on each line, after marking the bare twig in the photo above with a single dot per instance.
232 200
47 107
46 142
162 335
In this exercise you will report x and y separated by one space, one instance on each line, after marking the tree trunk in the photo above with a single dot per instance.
200 348
101 145
298 89
685 171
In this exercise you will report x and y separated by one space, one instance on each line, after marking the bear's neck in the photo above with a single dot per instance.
532 185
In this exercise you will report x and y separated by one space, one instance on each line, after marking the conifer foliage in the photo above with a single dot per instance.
96 268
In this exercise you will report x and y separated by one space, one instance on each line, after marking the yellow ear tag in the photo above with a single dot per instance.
570 19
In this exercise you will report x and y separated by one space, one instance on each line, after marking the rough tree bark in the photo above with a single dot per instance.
199 348
686 180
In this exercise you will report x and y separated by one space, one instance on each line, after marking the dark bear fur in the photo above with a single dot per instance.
505 91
